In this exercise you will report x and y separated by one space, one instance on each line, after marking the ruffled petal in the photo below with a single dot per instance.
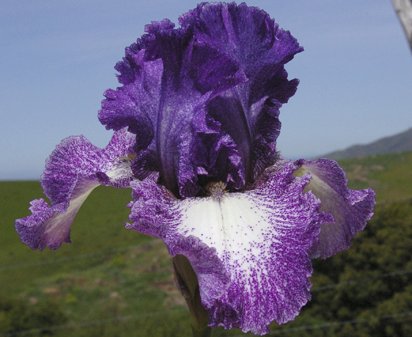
248 112
74 169
351 209
251 249
204 99
135 105
246 34
215 153
167 80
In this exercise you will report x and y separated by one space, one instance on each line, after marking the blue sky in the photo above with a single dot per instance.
57 59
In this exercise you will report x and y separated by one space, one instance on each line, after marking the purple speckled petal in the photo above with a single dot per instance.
136 105
167 80
215 153
246 34
73 170
248 112
249 250
351 209
189 70
204 99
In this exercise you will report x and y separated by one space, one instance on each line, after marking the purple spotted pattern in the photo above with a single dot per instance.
243 284
73 170
152 212
200 104
204 99
351 209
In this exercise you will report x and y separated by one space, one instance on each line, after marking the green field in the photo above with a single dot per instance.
114 282
108 279
389 175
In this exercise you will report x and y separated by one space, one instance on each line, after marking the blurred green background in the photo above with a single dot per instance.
114 282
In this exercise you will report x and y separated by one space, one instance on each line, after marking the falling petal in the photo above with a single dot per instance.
252 248
351 209
74 169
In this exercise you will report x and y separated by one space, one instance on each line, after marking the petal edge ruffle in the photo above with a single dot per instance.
351 209
262 239
203 99
73 170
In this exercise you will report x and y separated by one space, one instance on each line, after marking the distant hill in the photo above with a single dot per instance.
401 142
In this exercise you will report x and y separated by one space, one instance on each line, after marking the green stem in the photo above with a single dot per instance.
186 280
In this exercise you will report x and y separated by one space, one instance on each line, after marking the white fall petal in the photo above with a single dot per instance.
250 250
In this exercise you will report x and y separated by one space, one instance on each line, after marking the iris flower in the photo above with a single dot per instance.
195 120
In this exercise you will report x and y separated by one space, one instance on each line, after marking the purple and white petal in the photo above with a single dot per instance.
249 250
73 170
351 209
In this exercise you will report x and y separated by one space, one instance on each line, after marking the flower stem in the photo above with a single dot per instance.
186 280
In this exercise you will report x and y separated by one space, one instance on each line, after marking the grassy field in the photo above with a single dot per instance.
114 282
106 277
389 175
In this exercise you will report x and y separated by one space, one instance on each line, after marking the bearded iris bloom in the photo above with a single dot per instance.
195 122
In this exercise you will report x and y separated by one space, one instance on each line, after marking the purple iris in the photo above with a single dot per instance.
196 120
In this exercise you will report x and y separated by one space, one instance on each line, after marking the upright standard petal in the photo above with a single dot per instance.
204 99
351 209
73 170
249 250
167 80
248 112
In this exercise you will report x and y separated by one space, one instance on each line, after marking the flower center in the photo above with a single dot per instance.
216 189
